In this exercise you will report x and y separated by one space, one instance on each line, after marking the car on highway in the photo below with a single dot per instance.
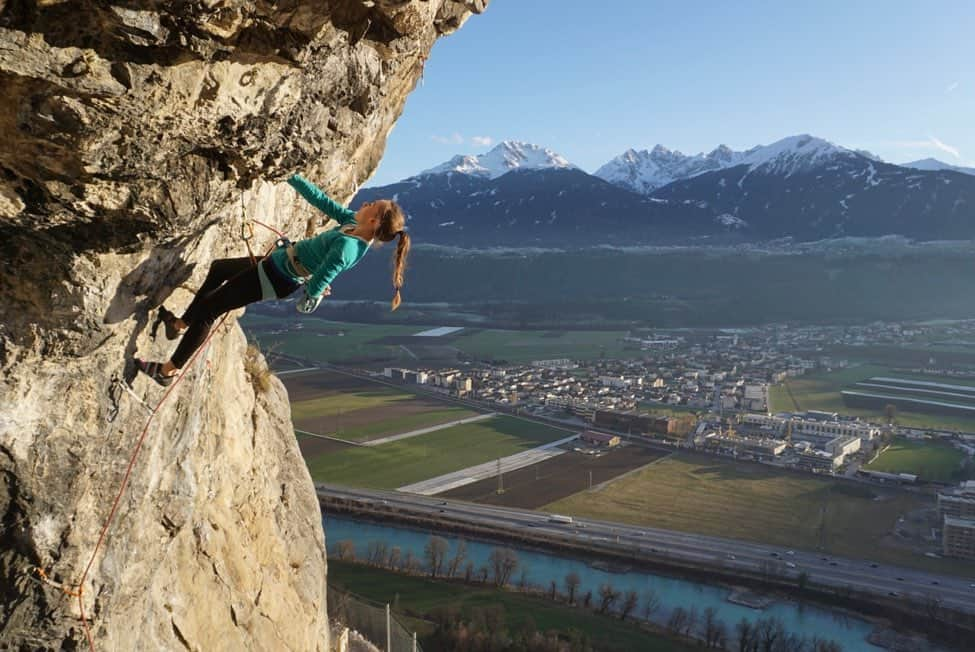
899 579
833 563
790 564
874 566
790 553
730 556
775 554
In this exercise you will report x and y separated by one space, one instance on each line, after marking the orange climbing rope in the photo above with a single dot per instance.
77 590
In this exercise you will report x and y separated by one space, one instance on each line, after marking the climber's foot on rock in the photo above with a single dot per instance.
156 371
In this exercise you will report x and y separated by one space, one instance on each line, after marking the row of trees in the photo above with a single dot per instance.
763 635
500 569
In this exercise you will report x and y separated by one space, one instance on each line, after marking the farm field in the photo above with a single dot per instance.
932 461
340 342
420 596
822 392
312 446
911 356
695 493
329 403
327 341
426 456
527 345
537 485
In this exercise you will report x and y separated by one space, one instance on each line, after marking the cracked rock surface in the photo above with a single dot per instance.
135 137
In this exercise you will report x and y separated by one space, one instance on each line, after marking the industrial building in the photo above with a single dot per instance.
958 538
957 510
599 439
760 448
814 423
634 422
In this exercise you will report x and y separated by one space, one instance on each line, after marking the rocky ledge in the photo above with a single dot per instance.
137 139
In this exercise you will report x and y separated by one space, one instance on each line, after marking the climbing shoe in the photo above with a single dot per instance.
168 320
155 371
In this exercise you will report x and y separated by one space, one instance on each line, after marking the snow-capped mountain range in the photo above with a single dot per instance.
645 171
802 187
932 164
509 155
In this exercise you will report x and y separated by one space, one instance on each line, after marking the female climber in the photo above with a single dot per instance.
313 263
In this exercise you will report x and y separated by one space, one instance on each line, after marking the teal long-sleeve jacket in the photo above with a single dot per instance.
329 253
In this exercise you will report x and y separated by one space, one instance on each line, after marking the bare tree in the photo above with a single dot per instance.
482 573
710 627
469 571
435 551
630 601
677 620
376 552
767 632
572 583
410 563
395 558
802 581
691 620
346 550
651 603
587 599
553 590
721 636
823 645
459 556
607 596
890 414
504 562
745 636
791 643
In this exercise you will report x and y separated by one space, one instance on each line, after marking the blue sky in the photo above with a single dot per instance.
591 79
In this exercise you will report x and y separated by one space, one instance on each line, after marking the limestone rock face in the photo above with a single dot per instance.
135 137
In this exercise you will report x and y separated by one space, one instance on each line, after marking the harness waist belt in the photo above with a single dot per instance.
296 265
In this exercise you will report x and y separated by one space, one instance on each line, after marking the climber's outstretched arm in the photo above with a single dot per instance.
317 198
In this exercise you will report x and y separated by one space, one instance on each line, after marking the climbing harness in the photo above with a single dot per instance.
77 590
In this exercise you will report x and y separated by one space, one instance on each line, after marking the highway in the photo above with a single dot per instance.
864 576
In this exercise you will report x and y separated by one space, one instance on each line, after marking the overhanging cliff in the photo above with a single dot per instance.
134 139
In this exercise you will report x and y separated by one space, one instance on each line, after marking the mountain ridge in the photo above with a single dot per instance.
799 187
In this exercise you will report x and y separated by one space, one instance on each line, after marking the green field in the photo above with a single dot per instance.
694 493
821 391
929 460
320 341
426 456
399 424
418 596
327 341
346 401
527 345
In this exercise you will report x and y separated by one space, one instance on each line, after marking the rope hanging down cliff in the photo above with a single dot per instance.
77 590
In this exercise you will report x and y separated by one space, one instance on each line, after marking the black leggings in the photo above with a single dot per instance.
231 283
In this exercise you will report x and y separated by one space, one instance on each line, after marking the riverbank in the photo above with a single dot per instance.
418 597
845 604
407 548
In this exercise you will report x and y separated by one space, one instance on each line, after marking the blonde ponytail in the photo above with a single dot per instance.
399 264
